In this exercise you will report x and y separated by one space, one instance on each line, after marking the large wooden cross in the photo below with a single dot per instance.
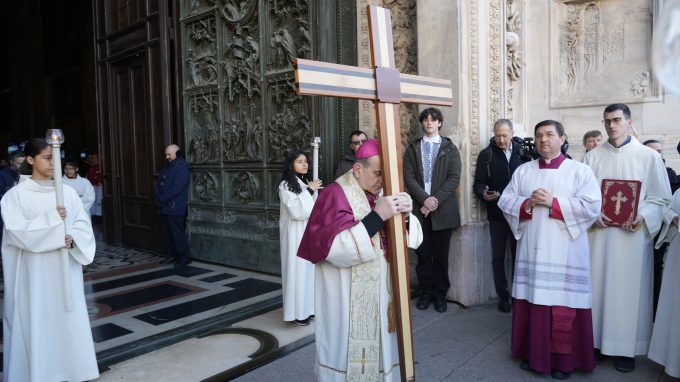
384 85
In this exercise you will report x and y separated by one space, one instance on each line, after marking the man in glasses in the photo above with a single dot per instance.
622 258
356 139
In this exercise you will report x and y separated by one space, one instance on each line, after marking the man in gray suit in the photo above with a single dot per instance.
431 176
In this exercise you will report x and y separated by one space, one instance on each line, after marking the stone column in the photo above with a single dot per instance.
461 41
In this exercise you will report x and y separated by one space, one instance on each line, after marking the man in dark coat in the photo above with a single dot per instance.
495 166
431 175
171 192
356 139
9 174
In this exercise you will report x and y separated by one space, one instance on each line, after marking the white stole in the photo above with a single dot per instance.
363 350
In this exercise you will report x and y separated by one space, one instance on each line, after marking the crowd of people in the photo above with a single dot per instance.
583 286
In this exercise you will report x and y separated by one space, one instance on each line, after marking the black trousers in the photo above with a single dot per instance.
433 260
175 236
500 232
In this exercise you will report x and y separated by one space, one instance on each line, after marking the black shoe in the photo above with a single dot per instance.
424 301
599 357
504 306
525 365
556 374
304 322
183 262
168 260
625 364
440 304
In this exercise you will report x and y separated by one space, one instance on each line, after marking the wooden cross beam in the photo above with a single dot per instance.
384 85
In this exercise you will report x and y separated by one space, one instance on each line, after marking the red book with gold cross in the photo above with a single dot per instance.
620 200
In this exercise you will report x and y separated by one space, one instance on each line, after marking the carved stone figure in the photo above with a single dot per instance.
245 189
591 37
205 187
285 48
287 132
203 69
242 64
639 85
236 11
571 40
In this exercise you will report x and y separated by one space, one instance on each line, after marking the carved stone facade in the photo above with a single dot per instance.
604 45
404 33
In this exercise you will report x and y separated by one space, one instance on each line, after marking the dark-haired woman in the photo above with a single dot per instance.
295 194
42 341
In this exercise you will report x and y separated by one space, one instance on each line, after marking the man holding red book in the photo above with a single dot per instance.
633 178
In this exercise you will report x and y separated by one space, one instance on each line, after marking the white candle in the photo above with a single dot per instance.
55 139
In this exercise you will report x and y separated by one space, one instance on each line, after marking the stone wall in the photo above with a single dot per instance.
584 55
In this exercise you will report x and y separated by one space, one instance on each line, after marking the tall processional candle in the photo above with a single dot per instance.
55 138
315 158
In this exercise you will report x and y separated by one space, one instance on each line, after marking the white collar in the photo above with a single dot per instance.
436 139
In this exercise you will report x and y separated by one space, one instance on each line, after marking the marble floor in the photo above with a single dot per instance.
137 305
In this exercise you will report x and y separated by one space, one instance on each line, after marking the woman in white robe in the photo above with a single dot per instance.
42 341
82 186
665 345
295 194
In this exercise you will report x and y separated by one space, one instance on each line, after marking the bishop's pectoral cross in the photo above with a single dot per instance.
618 199
384 85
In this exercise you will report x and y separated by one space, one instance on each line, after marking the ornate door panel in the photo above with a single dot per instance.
134 85
241 115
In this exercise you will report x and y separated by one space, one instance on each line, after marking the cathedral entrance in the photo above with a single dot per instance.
241 115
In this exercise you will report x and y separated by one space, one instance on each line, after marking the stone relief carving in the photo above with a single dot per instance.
475 126
640 84
496 62
591 36
513 70
404 33
512 42
201 57
241 47
238 81
602 45
366 110
235 11
245 189
286 132
198 5
212 215
204 145
243 138
290 36
205 186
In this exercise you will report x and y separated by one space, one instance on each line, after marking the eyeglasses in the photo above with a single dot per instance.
357 143
615 121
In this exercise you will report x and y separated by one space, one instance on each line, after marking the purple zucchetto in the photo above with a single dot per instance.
368 149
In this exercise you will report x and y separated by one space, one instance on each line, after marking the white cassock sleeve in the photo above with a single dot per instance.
299 206
657 197
581 209
88 195
79 226
668 231
351 247
43 232
510 203
415 232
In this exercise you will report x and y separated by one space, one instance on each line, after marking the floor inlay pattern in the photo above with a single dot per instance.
135 300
